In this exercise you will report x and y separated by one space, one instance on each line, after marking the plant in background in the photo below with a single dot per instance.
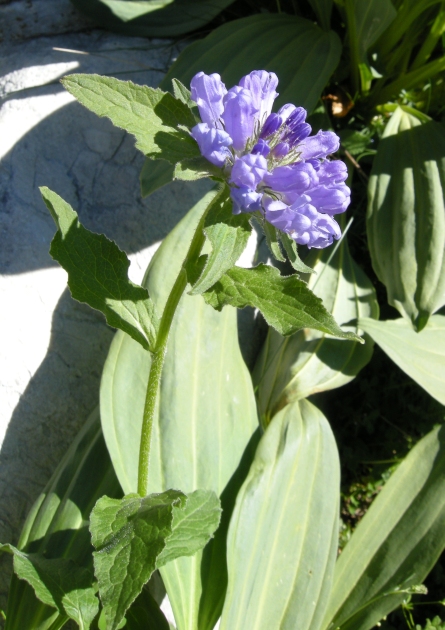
235 500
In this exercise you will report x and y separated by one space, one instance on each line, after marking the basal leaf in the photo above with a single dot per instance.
137 17
295 367
154 117
206 403
283 534
98 273
227 235
58 583
57 524
299 52
285 302
397 542
135 535
420 355
406 216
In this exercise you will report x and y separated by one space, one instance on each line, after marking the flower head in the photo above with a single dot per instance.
270 161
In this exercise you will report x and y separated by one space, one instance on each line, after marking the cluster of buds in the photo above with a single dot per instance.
270 161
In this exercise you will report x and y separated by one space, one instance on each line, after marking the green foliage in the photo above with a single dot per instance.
435 624
98 274
286 302
135 535
265 41
406 219
420 355
283 536
396 543
227 235
151 18
308 362
206 419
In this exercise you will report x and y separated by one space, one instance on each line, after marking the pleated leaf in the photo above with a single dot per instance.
152 18
283 535
406 216
58 523
420 355
299 52
206 416
397 542
291 368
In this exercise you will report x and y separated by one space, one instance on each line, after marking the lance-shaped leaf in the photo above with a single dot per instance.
206 406
397 542
323 9
227 235
273 241
135 535
292 253
98 273
406 216
308 362
283 535
285 302
57 524
299 52
58 583
154 117
420 355
152 18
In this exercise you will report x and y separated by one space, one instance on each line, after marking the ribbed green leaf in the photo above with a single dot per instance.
420 355
154 117
58 522
206 417
283 535
406 216
152 18
397 542
299 52
291 368
98 273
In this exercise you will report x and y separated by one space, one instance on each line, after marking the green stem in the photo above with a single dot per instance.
158 356
353 45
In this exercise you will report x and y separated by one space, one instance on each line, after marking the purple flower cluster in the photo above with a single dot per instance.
270 161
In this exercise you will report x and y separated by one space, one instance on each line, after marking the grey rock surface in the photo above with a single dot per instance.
52 348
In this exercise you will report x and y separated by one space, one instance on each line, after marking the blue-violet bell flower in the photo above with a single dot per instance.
270 161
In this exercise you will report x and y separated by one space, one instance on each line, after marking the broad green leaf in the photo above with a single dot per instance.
98 273
227 235
285 302
154 175
129 534
420 355
145 614
206 404
283 535
371 18
406 216
182 93
152 18
58 583
154 117
57 524
397 542
323 9
308 362
194 168
299 52
135 535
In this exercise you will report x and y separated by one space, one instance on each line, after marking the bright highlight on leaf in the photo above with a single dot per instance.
285 302
98 273
136 535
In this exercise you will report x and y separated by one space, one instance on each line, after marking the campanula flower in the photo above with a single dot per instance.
270 161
